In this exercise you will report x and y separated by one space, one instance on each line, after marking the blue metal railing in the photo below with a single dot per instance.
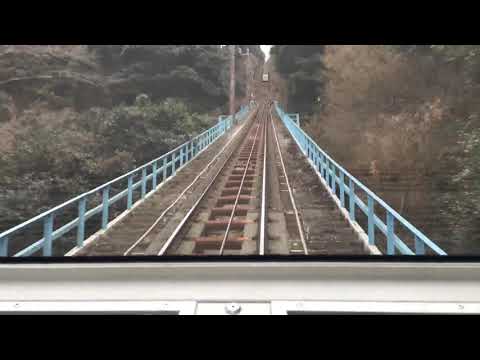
334 175
149 173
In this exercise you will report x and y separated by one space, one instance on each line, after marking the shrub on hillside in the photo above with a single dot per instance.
51 163
408 115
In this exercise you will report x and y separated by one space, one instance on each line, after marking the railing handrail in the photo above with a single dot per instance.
15 229
357 182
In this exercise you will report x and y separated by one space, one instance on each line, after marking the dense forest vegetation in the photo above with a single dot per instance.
302 67
405 119
73 117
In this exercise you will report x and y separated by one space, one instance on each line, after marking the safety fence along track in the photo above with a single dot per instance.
395 235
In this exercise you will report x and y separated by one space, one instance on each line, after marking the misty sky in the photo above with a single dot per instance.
266 50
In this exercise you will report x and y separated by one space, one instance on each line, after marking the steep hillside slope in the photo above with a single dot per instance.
74 116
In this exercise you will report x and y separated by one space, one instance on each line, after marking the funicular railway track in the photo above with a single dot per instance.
242 202
231 215
239 203
224 220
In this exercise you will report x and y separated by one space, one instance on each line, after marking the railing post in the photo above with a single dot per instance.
47 234
318 160
130 192
327 172
173 163
322 170
325 167
419 246
154 176
342 188
371 221
390 234
334 180
182 154
351 196
4 246
144 182
105 193
81 221
164 169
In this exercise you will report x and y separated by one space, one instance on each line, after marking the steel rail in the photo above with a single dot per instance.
261 243
174 234
162 215
232 215
292 199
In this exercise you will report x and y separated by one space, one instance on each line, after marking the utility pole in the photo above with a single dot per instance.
232 82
